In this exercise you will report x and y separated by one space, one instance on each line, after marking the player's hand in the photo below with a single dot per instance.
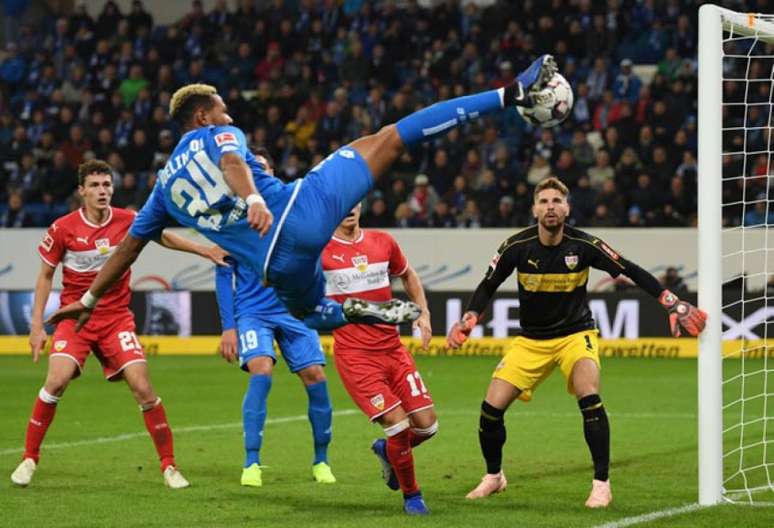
682 315
460 331
217 255
228 345
38 339
425 329
75 310
260 218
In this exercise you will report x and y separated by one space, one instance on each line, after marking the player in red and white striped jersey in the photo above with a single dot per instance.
376 369
81 242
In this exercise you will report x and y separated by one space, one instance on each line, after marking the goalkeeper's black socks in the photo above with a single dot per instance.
596 429
491 436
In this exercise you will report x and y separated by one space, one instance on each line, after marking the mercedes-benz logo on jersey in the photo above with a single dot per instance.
360 262
342 281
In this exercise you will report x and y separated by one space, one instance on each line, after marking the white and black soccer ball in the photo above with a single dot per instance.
552 104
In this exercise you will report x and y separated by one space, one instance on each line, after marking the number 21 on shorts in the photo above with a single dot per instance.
416 384
129 341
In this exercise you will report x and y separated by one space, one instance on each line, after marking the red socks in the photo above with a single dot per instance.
42 414
399 455
156 423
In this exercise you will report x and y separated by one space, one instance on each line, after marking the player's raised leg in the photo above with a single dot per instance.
155 418
492 435
260 368
61 370
380 150
320 412
596 429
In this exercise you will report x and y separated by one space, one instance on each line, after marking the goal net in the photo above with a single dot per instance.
736 283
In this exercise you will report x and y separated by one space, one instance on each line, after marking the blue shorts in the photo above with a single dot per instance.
327 194
300 346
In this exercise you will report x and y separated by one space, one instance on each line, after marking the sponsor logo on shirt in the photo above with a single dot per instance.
226 138
48 242
610 253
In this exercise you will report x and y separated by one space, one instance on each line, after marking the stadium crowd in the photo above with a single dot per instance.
302 78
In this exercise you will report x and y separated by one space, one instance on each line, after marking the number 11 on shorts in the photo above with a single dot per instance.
416 384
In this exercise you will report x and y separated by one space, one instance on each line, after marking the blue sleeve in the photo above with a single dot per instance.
223 139
224 293
152 218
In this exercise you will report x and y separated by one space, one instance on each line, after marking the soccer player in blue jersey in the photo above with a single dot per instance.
252 318
212 183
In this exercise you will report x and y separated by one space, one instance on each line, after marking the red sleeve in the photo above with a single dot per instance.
51 249
398 262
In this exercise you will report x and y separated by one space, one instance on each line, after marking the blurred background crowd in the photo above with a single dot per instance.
304 77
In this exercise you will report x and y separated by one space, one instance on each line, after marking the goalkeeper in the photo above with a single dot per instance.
552 262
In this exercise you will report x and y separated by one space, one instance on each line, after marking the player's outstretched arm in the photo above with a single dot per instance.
683 316
38 334
176 242
416 293
239 178
224 293
115 267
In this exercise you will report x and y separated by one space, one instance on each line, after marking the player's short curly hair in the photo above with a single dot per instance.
552 182
187 99
94 166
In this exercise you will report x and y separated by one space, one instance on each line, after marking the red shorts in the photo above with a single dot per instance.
380 381
111 338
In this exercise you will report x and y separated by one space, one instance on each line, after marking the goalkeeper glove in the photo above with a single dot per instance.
682 315
460 330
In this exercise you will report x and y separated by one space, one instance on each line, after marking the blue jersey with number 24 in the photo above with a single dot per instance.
191 190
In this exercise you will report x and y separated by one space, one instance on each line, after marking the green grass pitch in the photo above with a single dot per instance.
115 481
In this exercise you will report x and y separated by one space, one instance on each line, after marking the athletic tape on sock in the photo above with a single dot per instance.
427 431
397 428
145 407
48 398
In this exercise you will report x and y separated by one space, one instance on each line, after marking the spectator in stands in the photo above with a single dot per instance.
471 215
540 169
423 199
583 200
627 85
127 194
15 215
442 216
26 178
582 151
376 216
759 215
646 196
601 171
603 217
505 213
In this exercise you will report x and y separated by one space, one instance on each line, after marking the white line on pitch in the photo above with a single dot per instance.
652 516
537 414
175 431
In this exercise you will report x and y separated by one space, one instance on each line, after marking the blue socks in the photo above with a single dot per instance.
440 117
320 416
328 315
254 416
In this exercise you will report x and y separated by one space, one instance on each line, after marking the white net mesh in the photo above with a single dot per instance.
748 268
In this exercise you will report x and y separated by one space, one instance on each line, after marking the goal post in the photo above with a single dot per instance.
735 196
710 213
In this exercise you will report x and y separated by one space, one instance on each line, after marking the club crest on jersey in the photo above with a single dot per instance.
226 138
378 402
360 262
103 245
571 261
60 345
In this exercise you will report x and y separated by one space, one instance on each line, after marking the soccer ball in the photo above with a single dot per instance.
552 104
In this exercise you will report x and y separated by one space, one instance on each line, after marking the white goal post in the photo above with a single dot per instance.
735 462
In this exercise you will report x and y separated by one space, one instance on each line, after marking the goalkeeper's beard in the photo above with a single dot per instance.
555 227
